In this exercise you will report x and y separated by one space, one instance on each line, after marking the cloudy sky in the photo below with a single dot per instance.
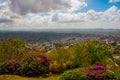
59 14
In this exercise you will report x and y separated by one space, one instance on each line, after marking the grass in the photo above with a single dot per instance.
15 77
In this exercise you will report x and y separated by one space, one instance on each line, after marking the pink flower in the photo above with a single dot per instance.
96 72
99 67
45 59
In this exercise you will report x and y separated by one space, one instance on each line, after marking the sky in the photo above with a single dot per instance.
59 14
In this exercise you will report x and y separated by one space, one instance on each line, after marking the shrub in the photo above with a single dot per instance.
113 76
116 71
98 72
10 48
35 65
56 68
70 65
58 57
117 61
90 52
75 74
45 60
10 67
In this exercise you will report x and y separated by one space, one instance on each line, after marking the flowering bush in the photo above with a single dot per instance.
35 65
98 72
10 67
45 60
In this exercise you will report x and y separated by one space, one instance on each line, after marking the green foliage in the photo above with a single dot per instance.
57 68
15 59
90 52
80 55
34 65
9 49
113 76
116 69
75 74
117 60
10 67
98 72
60 59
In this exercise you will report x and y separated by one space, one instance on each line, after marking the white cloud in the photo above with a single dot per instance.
114 1
6 15
38 6
57 19
75 4
112 14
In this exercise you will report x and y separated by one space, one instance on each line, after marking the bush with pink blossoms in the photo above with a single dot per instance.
99 72
45 60
10 67
33 65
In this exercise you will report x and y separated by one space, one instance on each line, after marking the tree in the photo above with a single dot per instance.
91 52
10 48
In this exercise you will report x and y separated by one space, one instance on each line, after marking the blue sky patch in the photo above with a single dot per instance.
98 5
